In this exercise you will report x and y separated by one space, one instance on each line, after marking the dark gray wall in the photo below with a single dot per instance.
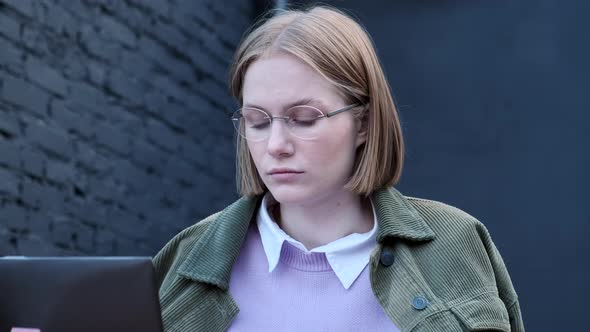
113 132
494 101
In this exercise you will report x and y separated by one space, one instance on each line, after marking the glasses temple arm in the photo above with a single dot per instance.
342 110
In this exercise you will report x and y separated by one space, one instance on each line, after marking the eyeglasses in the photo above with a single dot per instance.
302 121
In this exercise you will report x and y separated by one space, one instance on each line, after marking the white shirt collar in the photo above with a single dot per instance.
348 256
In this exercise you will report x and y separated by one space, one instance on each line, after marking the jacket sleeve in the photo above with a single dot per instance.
516 323
506 290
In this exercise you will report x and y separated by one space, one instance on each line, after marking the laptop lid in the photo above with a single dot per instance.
67 294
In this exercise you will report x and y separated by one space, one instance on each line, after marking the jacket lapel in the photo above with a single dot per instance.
205 303
212 257
397 218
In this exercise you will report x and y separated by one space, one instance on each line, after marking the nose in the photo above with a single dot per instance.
279 142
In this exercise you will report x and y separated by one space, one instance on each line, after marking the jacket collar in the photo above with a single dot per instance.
214 254
398 219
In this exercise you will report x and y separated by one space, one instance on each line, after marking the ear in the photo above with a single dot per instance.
361 131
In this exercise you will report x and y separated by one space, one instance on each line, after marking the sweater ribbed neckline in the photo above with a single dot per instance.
298 259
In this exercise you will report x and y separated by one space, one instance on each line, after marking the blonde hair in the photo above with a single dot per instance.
340 50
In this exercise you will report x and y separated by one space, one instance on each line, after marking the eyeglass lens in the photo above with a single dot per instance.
302 121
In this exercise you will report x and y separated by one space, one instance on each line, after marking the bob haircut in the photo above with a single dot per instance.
338 48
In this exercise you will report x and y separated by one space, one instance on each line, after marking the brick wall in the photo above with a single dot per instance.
113 126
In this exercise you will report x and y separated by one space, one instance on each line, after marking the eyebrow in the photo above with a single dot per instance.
303 101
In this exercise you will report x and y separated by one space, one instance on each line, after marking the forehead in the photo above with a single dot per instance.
282 80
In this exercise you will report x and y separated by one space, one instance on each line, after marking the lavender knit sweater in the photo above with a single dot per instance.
301 294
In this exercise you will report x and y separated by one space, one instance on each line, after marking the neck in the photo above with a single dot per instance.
322 221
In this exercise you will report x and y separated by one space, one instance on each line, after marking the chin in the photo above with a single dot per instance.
290 195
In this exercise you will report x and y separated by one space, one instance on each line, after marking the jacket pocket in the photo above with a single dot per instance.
485 312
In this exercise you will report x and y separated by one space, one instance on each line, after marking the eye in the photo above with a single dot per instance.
260 125
303 122
304 116
255 119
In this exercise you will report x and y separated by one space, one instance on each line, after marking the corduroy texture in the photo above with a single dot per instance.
441 254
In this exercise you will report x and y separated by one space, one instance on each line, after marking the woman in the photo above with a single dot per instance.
320 240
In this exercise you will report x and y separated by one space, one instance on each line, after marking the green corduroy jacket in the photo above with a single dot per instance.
435 268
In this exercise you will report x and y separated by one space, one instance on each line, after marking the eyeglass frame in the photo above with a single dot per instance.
286 118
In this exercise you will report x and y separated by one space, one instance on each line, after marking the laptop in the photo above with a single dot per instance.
67 294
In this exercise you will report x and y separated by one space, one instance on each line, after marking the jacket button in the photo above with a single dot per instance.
419 302
387 257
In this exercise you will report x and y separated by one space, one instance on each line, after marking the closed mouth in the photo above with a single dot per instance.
285 171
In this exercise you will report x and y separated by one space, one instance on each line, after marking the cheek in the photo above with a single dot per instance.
335 153
256 151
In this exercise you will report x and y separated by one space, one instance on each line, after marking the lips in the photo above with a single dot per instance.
284 171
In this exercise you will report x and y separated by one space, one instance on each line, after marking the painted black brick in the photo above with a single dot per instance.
160 8
33 161
34 245
8 124
113 133
9 27
147 155
59 172
61 21
7 242
91 160
112 29
47 197
9 154
14 217
170 36
72 118
10 57
162 136
97 73
88 97
112 138
24 7
45 76
50 139
8 183
125 86
24 94
96 46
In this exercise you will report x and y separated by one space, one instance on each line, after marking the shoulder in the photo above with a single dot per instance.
447 222
192 233
456 231
462 255
463 265
210 241
436 210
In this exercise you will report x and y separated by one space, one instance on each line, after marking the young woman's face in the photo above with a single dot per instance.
296 170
